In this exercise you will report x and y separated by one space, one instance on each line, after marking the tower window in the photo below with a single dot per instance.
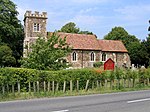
104 57
36 27
92 56
74 56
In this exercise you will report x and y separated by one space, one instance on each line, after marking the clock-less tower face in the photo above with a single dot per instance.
34 27
35 24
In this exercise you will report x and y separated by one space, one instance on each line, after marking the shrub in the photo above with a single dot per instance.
97 64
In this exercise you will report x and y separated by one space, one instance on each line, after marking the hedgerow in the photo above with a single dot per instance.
12 76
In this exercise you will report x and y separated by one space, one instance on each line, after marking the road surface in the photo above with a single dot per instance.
138 101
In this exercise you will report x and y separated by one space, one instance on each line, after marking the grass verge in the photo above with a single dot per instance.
27 95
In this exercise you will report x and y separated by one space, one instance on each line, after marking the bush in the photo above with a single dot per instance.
11 76
97 64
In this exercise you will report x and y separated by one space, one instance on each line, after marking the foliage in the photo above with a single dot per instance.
145 51
24 76
137 53
119 33
86 32
98 64
6 58
11 30
149 28
47 54
71 28
132 44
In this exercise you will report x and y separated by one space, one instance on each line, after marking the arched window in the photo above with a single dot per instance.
74 56
104 57
92 56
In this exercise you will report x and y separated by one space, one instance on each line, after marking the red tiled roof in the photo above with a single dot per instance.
90 42
112 46
81 41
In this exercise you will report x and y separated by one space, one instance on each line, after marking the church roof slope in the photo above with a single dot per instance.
112 46
81 41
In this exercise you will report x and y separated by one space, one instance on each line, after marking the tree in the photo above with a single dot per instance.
132 44
11 30
86 32
138 53
47 54
71 28
146 48
6 58
119 33
149 27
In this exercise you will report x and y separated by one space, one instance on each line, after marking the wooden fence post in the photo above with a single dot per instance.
93 84
3 89
57 86
124 84
53 86
13 89
7 87
97 83
77 85
147 81
111 84
18 87
71 86
87 84
38 88
29 87
105 83
34 87
44 86
118 83
64 86
48 88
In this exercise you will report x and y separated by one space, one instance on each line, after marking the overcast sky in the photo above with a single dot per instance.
97 16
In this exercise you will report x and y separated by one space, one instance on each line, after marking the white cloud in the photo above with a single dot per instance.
91 1
21 14
88 10
85 20
134 12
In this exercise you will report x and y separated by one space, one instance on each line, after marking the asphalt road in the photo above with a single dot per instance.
117 102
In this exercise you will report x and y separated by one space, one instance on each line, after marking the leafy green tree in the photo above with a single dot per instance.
86 32
132 44
119 33
11 30
146 48
6 58
47 54
70 28
138 53
149 27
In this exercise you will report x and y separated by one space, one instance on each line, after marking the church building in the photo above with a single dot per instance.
86 49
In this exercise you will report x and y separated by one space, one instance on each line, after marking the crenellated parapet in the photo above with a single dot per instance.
34 27
35 14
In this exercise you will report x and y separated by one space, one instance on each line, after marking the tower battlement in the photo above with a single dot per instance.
35 14
34 27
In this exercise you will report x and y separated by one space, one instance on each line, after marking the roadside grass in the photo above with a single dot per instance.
102 90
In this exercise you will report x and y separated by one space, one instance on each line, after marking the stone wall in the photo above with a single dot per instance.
120 59
83 58
31 35
31 18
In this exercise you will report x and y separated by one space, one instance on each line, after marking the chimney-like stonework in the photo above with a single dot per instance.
34 27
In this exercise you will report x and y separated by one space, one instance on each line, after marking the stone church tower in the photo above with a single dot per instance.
34 27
